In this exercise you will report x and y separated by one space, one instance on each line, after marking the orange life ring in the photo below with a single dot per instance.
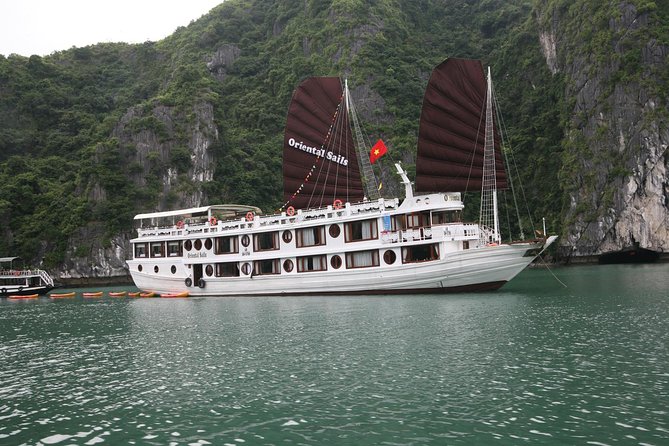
180 224
249 216
337 204
212 221
290 211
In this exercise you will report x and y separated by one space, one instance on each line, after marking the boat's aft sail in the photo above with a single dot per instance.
319 158
451 137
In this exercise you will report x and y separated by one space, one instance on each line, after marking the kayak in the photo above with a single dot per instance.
61 295
92 294
183 294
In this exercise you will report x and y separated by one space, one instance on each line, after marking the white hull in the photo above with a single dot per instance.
464 261
486 269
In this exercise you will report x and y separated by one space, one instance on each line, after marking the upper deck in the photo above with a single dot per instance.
236 219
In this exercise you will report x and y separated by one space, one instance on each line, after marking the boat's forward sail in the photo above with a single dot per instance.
451 136
319 158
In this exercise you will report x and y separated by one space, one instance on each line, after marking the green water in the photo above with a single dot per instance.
533 363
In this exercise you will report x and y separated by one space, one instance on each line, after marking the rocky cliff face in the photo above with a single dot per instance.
156 144
616 158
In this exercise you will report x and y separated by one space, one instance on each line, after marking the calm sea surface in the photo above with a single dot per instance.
533 363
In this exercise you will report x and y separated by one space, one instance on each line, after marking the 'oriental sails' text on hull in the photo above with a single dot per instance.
334 234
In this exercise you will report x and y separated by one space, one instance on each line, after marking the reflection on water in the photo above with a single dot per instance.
533 363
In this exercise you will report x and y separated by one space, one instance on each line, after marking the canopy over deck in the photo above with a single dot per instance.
8 259
220 210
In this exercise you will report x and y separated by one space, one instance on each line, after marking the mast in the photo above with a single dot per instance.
369 180
489 217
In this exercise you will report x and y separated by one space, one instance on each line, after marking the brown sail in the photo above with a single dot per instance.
451 136
319 159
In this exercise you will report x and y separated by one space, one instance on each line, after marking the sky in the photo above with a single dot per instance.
41 27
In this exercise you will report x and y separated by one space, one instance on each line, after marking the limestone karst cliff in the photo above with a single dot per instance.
617 132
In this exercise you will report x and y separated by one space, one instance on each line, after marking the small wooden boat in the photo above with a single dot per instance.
134 294
183 294
148 294
92 294
117 294
21 297
61 295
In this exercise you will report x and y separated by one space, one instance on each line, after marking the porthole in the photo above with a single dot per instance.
188 245
173 269
246 268
139 268
335 261
287 265
389 257
287 236
209 270
156 269
246 240
198 244
208 244
335 230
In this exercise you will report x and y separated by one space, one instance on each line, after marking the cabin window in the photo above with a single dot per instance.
418 220
335 262
209 270
420 253
246 240
228 269
287 236
362 259
174 248
361 230
226 245
246 269
311 263
444 217
465 244
335 230
310 236
188 245
156 269
266 241
262 267
287 265
173 269
157 249
207 244
389 257
140 250
197 245
398 222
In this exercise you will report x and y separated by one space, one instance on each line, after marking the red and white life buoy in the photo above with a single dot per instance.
337 204
290 211
213 221
249 216
180 224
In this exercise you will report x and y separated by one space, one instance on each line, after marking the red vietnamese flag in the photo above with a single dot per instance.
377 152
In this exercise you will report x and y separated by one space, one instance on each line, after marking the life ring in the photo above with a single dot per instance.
180 224
249 216
337 204
290 211
201 283
212 221
4 291
188 281
20 289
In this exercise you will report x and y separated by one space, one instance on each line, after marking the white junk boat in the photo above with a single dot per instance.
329 237
22 281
